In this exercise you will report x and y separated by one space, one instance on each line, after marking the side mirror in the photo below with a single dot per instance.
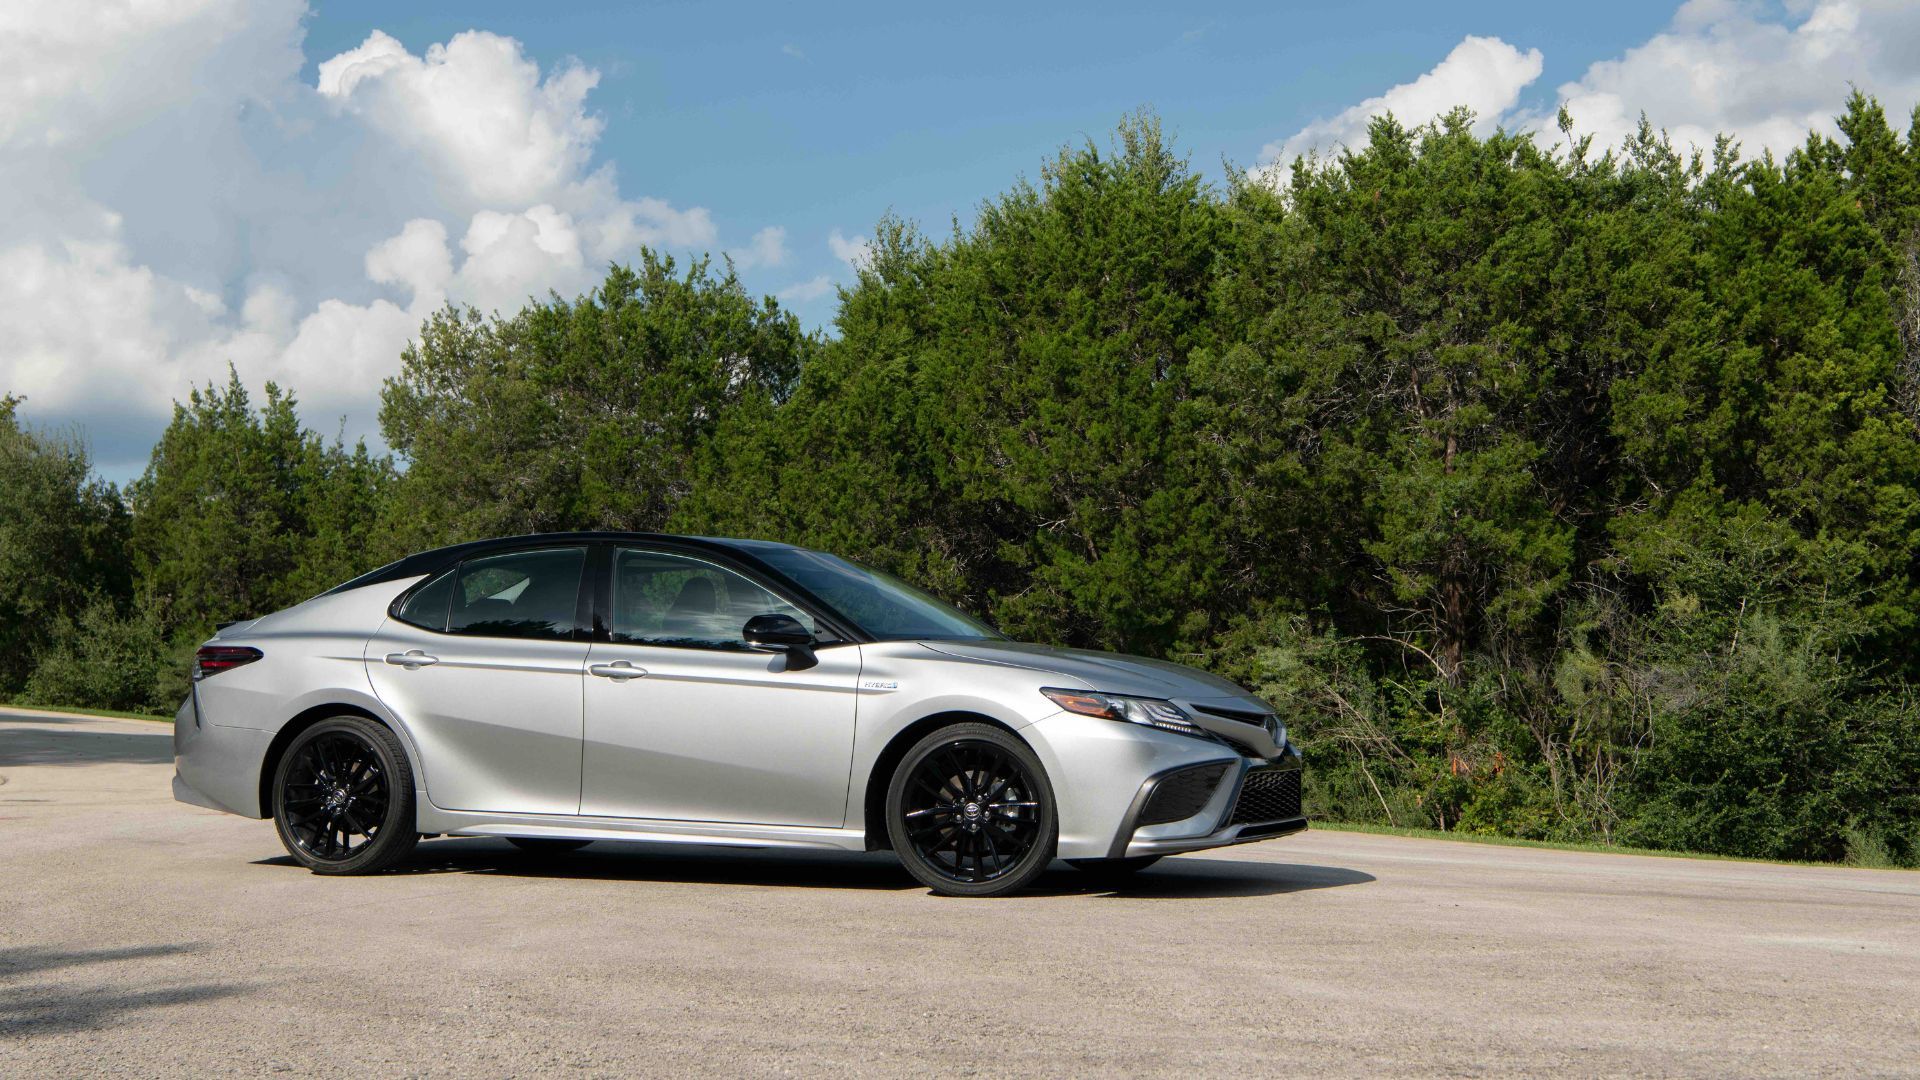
783 634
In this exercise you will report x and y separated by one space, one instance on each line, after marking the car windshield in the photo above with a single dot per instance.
887 608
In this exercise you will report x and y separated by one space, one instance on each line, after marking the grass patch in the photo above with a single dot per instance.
68 710
1567 845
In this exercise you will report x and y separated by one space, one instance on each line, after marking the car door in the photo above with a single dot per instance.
484 664
685 723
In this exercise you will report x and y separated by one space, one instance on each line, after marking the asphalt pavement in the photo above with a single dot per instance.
139 936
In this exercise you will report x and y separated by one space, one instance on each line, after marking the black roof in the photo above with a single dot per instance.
430 562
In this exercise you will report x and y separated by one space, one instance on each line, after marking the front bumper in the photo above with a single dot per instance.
1232 834
1104 776
1255 799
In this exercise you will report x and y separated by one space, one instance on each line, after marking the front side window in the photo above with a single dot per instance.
661 599
885 607
522 594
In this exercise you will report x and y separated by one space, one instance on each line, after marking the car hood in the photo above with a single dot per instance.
1134 676
1112 673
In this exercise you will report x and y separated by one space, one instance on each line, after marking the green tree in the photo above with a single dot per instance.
62 533
1001 414
578 413
243 511
111 656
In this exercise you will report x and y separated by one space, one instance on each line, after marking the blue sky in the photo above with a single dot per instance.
816 117
291 188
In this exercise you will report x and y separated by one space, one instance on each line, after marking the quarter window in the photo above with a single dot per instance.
661 599
523 594
427 607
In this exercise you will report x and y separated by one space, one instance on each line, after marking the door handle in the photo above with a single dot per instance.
412 659
618 671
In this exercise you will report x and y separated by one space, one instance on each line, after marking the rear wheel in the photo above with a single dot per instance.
970 812
546 845
343 798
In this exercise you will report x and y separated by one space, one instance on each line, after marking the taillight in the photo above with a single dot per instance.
214 659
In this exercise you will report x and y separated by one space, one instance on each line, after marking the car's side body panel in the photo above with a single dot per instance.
904 682
308 651
312 656
497 720
713 735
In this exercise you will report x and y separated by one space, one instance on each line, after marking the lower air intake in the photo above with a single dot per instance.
1182 794
1267 795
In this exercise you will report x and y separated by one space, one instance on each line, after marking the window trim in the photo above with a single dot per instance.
602 616
582 600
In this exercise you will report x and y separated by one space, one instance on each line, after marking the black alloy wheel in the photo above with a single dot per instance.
970 812
343 798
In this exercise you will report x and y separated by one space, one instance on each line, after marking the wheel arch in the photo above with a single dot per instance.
873 802
306 718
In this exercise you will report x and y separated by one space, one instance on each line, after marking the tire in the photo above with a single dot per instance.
970 812
343 778
546 845
1113 871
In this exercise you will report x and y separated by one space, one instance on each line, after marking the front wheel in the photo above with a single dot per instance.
970 812
343 798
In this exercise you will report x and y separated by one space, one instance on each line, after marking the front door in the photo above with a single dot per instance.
685 723
484 665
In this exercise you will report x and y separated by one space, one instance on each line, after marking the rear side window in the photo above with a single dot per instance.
427 607
523 594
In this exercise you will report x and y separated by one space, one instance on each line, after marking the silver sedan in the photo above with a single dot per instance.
559 689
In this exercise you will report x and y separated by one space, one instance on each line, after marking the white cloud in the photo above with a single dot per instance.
75 308
1742 68
1483 73
513 256
173 197
855 251
417 258
67 77
1738 68
805 292
767 248
475 109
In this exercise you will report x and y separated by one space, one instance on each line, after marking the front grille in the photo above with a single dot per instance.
1244 716
1266 722
1182 794
1267 795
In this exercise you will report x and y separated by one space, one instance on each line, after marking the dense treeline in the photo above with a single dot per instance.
1556 493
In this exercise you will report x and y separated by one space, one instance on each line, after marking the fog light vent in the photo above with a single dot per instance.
1182 794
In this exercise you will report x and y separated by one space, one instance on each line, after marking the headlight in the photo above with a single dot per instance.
1152 712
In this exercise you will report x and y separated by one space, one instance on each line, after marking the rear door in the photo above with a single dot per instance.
484 664
685 723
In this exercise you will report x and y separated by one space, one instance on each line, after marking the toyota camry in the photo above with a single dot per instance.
560 689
